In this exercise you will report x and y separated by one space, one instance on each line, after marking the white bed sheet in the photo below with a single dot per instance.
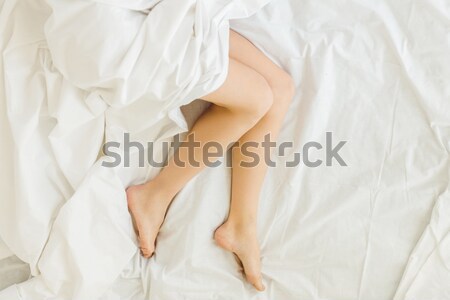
375 73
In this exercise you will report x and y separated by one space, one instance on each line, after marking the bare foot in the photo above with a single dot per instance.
242 241
148 209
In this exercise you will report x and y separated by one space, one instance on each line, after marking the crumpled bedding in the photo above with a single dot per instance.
375 74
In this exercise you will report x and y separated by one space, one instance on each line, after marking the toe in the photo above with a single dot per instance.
260 286
147 253
252 271
146 245
256 280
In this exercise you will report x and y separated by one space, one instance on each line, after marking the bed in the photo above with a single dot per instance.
374 74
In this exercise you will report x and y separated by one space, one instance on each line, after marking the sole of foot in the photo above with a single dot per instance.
244 244
148 211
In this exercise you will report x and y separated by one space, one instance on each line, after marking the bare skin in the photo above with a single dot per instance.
249 105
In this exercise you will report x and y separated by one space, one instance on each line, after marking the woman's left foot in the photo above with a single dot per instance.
242 241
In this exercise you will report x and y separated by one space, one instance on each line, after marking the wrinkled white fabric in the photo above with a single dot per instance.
373 73
97 70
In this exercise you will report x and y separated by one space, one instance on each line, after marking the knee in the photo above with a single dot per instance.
283 88
263 100
258 103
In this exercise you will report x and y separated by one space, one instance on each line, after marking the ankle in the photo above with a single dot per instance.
241 225
159 191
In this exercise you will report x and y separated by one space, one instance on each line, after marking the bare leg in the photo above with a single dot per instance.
243 105
238 233
239 104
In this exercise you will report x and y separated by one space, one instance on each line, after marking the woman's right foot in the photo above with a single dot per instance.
243 242
148 208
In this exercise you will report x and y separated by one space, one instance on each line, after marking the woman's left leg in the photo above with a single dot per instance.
238 233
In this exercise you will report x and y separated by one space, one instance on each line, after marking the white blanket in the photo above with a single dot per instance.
374 73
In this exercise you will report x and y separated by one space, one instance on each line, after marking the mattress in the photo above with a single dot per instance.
372 74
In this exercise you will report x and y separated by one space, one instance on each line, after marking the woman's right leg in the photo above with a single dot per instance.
238 105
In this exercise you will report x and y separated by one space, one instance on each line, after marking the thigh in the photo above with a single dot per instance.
241 88
245 52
